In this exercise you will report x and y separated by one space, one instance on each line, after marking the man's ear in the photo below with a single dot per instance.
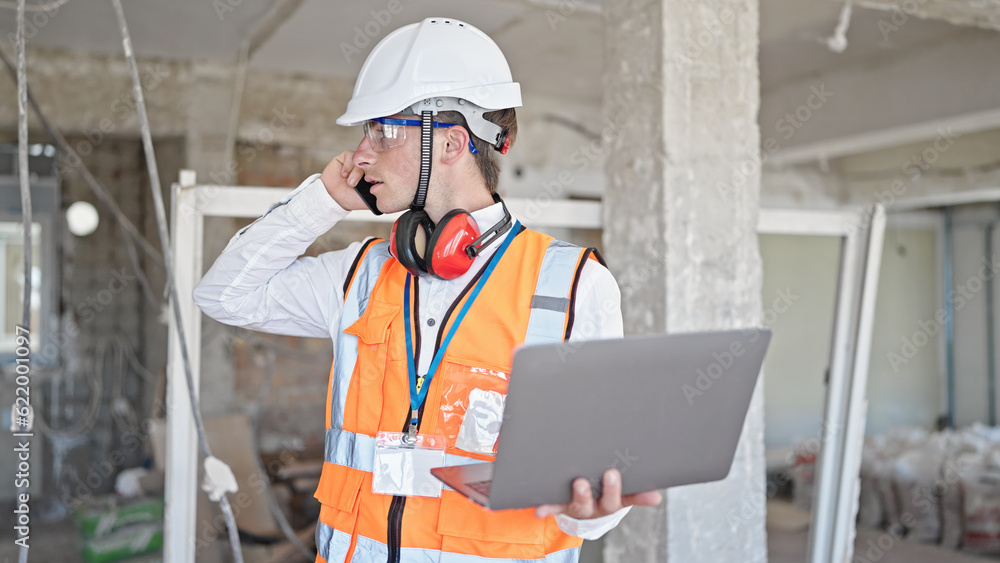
456 144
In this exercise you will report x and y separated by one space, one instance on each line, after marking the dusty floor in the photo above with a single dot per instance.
790 547
788 539
58 542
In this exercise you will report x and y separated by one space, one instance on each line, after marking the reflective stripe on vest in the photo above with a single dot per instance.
333 545
346 348
351 449
551 302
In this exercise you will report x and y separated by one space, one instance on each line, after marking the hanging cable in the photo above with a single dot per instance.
161 220
75 162
838 41
90 417
122 410
22 164
26 219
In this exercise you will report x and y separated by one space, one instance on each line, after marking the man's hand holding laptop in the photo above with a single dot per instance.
584 506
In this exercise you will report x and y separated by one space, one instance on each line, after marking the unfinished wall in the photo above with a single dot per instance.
800 279
907 369
101 299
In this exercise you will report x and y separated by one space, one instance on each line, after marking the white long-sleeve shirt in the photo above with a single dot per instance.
260 282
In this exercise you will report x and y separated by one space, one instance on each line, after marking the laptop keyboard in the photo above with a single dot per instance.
481 487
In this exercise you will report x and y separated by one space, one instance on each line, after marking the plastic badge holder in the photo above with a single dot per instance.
403 466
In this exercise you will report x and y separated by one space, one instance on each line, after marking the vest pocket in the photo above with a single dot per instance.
340 487
471 407
461 518
373 326
363 405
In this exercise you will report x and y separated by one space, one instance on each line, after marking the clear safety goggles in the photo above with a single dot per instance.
386 133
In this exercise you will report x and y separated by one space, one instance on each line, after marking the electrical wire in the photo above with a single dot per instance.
161 220
90 417
838 41
55 5
25 181
74 161
122 410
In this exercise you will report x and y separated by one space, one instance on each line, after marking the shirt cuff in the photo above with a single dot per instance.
592 528
314 207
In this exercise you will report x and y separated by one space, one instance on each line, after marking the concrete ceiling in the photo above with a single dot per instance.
794 32
979 13
556 58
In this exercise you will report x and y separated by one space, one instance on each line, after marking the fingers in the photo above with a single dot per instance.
340 177
348 170
582 505
646 498
611 496
352 174
546 510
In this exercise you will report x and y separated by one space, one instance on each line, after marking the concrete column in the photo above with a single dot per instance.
683 183
207 154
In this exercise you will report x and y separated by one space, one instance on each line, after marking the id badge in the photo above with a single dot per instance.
403 466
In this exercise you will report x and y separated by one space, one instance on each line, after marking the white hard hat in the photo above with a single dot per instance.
439 64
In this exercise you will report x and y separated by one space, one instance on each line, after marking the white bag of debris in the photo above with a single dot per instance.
889 447
917 474
965 453
980 484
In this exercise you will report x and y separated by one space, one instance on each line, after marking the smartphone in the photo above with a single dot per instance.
364 189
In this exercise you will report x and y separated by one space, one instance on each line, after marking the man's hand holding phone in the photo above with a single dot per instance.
340 177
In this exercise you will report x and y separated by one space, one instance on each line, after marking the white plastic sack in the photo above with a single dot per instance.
981 491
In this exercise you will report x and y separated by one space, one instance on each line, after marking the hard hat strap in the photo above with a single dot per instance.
426 150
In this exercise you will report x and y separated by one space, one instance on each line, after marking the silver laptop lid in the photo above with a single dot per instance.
665 410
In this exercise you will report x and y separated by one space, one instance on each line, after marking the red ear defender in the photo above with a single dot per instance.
448 255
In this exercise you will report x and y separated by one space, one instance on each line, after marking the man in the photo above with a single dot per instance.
424 324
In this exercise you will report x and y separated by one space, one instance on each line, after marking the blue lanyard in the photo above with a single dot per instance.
417 397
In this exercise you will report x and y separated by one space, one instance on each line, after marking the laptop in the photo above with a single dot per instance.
665 410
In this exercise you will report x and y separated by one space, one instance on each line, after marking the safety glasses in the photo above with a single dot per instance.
386 133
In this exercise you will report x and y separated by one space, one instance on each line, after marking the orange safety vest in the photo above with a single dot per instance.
527 300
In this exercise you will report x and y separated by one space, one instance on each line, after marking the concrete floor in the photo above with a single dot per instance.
788 539
58 542
790 547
